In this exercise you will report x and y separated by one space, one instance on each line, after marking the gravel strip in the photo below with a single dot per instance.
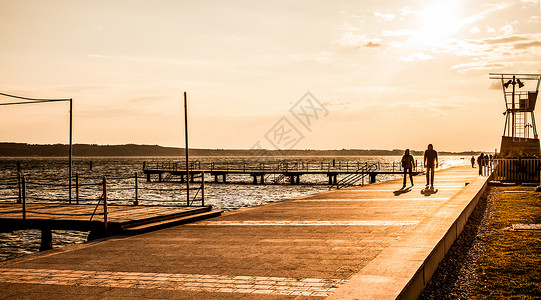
456 274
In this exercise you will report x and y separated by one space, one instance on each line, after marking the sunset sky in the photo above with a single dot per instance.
381 74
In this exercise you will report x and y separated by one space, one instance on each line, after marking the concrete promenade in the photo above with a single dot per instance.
368 242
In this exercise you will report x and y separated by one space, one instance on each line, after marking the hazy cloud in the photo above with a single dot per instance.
353 40
416 56
475 29
405 11
535 19
348 27
508 29
399 32
478 65
384 17
499 40
528 45
495 85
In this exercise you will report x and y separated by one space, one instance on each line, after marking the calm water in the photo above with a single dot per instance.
47 182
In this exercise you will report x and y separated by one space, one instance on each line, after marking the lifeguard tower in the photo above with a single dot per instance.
520 133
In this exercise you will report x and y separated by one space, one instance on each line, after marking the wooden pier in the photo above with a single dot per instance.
43 204
277 172
100 221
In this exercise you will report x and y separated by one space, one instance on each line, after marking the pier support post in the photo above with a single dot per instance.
332 179
298 179
373 177
46 239
224 177
160 177
216 178
19 186
255 178
263 179
148 177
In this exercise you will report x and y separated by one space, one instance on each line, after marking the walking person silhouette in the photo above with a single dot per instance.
430 162
407 165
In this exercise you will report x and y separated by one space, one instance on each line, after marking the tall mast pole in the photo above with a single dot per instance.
187 156
70 148
513 107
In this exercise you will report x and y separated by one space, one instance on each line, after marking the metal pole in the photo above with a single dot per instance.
70 148
136 191
202 188
77 187
19 198
105 203
513 107
187 157
24 198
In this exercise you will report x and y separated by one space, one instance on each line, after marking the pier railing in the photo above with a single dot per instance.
512 170
102 192
276 166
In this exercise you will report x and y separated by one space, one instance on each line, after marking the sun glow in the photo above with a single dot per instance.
439 20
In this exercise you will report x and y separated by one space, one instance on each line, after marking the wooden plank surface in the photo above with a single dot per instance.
73 212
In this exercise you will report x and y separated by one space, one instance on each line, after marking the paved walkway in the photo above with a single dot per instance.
360 243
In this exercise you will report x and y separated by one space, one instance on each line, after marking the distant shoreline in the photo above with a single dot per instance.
8 150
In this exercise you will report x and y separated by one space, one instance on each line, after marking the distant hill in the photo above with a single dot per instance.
22 149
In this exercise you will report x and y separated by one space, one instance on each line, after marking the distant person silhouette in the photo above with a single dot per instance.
407 165
430 162
480 163
473 162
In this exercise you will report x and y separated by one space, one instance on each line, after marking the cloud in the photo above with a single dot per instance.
405 11
527 45
399 32
356 41
495 47
348 27
479 65
499 40
508 29
535 19
384 17
495 53
495 85
416 57
475 29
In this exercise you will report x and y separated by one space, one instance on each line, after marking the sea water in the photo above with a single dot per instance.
47 181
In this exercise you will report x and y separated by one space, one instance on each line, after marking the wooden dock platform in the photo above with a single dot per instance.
371 242
121 219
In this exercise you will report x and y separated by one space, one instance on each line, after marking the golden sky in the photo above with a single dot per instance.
381 74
